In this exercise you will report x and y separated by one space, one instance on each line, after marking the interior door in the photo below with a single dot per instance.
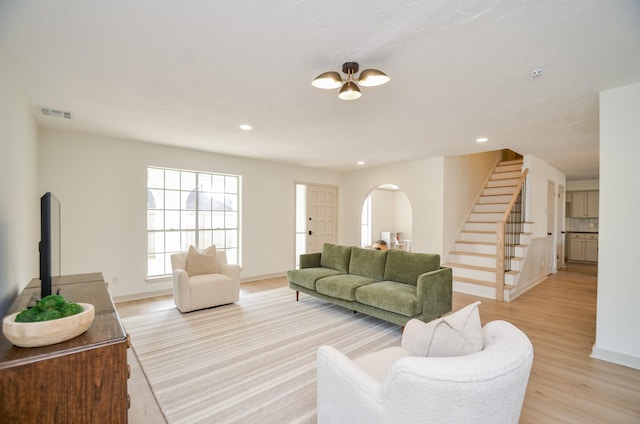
551 219
560 231
322 212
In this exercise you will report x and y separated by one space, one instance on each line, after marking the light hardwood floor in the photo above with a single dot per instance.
558 315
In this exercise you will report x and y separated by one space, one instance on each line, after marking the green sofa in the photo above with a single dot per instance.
392 285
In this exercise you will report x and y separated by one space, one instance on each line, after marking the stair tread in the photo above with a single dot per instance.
502 182
487 243
476 267
482 255
481 282
477 231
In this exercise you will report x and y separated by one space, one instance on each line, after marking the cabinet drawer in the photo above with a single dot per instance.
576 236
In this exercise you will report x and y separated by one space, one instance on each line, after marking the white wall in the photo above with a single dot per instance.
464 177
421 181
19 196
617 335
390 211
101 184
403 215
540 173
382 213
582 185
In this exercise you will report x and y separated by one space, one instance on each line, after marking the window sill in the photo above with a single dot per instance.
158 279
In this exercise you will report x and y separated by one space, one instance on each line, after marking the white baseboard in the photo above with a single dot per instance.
262 277
145 295
616 357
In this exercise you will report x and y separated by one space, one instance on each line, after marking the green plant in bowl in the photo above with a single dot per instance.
49 308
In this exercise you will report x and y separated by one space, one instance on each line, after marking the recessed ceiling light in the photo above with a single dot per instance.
245 127
361 162
481 139
536 72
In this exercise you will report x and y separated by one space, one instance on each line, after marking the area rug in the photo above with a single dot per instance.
250 362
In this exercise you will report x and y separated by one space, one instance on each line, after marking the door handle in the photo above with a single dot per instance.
310 233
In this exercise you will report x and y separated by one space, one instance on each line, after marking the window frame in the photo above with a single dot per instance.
188 207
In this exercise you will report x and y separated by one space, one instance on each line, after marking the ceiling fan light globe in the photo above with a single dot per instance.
349 91
372 78
327 80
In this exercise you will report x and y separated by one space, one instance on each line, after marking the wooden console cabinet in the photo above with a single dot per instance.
82 380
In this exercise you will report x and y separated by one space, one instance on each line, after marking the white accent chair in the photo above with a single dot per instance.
390 386
205 290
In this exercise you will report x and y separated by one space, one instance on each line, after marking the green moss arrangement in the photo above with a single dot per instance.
49 308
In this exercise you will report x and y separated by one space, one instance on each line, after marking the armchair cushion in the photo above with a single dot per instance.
457 334
202 263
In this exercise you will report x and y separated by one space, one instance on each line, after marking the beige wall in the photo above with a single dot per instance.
464 178
101 184
421 181
19 196
617 336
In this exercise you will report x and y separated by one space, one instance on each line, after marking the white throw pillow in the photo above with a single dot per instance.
457 334
202 263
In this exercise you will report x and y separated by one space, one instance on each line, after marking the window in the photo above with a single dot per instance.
365 223
190 208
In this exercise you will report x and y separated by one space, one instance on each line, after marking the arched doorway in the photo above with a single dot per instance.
387 215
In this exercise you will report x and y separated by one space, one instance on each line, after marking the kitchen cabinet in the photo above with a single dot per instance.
583 247
585 204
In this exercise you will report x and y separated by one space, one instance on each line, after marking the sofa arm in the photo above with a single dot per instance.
346 394
181 290
435 293
310 260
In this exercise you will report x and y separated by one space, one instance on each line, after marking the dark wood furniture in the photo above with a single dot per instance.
82 380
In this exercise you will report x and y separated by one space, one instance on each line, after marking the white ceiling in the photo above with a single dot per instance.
188 73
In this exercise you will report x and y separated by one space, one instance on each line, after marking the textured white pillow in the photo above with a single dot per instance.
457 334
202 263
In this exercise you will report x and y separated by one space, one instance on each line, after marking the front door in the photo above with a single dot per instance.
321 216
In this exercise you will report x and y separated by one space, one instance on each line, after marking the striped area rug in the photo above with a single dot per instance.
250 362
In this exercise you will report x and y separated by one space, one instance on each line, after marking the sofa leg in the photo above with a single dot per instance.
297 295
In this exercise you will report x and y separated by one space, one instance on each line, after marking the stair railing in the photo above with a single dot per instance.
508 233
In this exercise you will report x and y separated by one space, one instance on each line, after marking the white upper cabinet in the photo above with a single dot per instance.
585 204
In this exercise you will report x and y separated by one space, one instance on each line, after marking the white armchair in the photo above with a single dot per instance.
205 290
390 386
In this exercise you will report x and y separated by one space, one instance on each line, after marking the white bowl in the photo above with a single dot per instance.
43 333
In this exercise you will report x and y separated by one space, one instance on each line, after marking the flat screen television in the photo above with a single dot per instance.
50 242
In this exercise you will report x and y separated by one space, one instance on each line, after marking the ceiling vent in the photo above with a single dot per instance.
55 113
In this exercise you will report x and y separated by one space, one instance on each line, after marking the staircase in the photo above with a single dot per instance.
473 257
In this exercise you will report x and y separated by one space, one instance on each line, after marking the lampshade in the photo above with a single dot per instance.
327 80
372 78
349 91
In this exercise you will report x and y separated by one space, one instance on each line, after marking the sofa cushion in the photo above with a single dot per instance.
406 267
390 296
457 334
342 286
202 263
307 277
335 257
368 262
